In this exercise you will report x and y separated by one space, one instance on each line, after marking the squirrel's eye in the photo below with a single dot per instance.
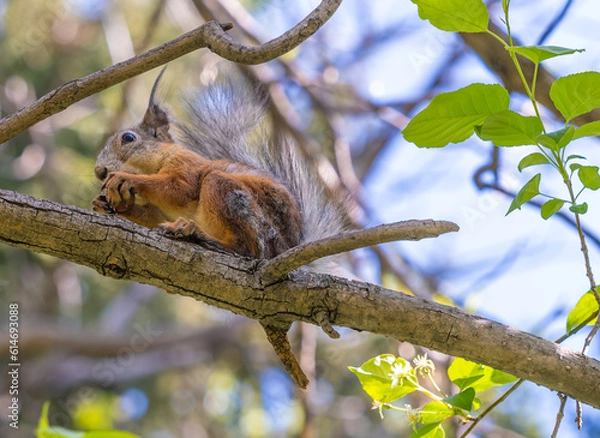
128 137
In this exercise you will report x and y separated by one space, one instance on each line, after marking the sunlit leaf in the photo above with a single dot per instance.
435 411
466 374
591 129
434 430
589 177
586 307
375 377
537 54
451 117
455 15
527 192
532 160
507 128
551 207
576 94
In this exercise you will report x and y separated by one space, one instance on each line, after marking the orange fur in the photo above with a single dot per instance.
191 197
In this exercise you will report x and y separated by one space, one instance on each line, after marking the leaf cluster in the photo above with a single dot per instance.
387 378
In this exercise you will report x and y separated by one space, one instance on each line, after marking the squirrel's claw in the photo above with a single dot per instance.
100 205
120 192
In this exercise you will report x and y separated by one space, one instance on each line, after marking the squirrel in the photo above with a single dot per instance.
213 179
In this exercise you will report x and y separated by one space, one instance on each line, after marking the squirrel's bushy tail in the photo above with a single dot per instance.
225 123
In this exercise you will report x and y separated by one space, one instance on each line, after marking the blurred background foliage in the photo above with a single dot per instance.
112 354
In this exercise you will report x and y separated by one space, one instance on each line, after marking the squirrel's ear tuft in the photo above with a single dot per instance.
156 123
156 119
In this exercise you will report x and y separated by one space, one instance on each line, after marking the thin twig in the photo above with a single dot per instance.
277 268
492 407
520 381
579 417
559 415
78 89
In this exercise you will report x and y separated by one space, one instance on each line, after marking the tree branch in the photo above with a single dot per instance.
121 249
278 267
211 35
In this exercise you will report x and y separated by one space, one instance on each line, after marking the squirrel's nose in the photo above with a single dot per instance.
100 172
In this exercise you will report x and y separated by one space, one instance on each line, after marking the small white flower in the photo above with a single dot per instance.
423 365
400 370
413 416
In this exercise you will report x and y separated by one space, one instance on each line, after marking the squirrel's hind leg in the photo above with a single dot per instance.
189 230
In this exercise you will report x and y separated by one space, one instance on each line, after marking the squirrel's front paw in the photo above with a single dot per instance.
100 205
119 191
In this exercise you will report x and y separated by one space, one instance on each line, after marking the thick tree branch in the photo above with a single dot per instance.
210 35
121 249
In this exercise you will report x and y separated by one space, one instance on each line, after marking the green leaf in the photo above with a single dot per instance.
455 15
589 177
547 141
586 307
551 207
507 128
576 94
530 190
579 208
537 54
566 137
591 129
463 400
451 117
466 374
375 377
434 430
574 166
575 157
557 140
532 160
435 411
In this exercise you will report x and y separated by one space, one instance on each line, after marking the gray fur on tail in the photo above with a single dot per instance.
222 117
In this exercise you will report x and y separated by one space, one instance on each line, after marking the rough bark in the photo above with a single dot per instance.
120 249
